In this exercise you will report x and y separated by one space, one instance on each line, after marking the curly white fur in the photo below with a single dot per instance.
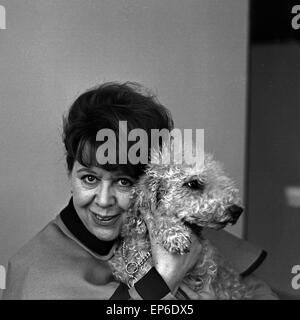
174 200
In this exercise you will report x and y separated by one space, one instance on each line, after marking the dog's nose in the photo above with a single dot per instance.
234 212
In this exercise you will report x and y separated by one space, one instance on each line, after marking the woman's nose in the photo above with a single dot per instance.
105 195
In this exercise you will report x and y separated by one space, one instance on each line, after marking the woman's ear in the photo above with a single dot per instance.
69 175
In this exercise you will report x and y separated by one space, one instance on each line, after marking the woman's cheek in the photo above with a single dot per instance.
83 196
124 200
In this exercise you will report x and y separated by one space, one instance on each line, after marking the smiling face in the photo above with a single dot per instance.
100 199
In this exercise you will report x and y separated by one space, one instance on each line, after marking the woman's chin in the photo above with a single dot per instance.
106 235
103 230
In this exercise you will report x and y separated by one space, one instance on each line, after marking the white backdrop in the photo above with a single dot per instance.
193 53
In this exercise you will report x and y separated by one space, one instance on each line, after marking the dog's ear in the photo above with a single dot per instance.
160 191
150 192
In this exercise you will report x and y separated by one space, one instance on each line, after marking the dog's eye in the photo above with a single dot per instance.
195 185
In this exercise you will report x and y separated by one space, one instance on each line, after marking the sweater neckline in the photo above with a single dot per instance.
74 224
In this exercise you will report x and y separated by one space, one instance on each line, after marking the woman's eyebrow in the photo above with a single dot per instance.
122 174
86 170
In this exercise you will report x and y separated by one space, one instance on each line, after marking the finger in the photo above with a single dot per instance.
192 295
205 295
208 292
149 222
196 246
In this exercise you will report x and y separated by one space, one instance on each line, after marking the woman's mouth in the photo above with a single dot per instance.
105 220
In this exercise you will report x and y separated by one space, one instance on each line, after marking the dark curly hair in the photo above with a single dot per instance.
102 108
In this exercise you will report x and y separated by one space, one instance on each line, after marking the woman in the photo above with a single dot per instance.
68 258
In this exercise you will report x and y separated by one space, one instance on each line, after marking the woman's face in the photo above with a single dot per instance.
100 199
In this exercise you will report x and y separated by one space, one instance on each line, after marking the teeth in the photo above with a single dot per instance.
103 218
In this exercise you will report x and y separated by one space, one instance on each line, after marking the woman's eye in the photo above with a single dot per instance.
89 179
123 182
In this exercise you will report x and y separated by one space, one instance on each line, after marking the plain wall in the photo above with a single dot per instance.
192 53
274 156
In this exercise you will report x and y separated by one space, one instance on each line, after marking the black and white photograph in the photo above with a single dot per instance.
149 150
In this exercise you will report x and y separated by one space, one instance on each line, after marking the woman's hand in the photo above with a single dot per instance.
173 267
205 294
